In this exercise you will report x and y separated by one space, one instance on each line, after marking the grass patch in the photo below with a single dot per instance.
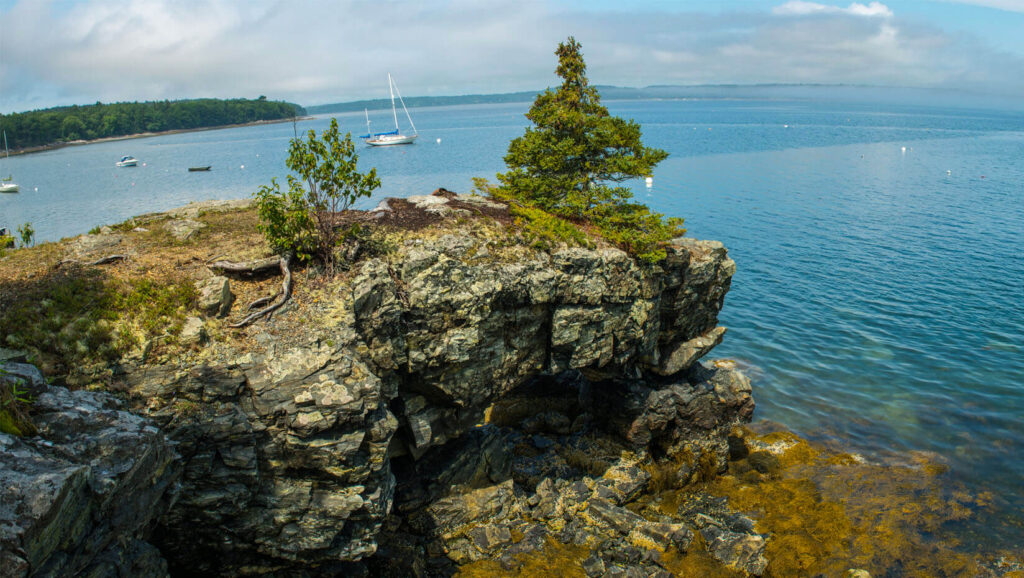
75 321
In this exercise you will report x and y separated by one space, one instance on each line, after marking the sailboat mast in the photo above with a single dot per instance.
391 87
401 100
368 133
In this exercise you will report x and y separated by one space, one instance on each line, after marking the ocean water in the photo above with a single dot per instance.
879 295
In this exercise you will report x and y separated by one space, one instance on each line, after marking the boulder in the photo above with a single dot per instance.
81 497
193 332
215 297
183 229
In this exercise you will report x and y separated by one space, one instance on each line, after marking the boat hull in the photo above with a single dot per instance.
387 140
128 163
8 188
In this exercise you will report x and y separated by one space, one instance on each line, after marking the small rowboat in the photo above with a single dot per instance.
199 169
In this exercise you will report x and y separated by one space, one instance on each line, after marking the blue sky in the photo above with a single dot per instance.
55 52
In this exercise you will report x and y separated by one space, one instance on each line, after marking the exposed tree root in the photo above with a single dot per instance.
246 269
101 261
261 302
284 263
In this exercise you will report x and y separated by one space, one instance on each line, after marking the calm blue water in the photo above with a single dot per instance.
879 297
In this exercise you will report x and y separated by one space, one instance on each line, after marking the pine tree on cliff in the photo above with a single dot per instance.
571 162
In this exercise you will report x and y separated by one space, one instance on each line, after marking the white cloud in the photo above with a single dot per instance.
801 8
317 52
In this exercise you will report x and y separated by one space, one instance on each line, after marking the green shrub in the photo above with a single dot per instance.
15 405
544 230
27 234
302 219
635 228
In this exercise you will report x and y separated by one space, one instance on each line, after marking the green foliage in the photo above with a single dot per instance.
158 307
72 320
285 218
544 230
568 162
634 227
15 404
43 127
95 230
68 320
483 187
6 242
302 219
27 234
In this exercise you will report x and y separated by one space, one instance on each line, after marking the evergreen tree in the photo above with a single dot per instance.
571 160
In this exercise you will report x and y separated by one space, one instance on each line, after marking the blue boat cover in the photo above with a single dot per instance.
380 134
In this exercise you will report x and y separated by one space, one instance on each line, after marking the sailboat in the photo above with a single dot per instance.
394 137
6 186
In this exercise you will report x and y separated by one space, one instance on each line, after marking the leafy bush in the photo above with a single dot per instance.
27 234
638 230
286 220
544 230
302 219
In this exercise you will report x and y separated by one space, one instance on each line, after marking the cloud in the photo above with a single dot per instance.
316 52
801 8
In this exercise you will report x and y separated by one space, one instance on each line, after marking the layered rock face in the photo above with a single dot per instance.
289 435
80 497
456 331
287 450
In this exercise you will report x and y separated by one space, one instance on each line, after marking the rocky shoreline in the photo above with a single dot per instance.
456 402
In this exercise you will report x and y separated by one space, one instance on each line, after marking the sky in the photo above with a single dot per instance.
61 52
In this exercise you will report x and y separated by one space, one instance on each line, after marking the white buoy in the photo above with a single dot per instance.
242 167
438 141
903 150
785 126
649 181
948 172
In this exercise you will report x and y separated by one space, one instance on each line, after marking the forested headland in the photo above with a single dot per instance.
51 126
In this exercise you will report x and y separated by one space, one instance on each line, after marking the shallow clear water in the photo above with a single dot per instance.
879 296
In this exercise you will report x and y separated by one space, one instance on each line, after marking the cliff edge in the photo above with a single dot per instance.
448 328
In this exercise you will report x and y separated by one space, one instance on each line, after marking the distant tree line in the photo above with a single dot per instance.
70 123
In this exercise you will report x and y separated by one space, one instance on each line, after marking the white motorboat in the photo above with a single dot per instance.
128 161
394 137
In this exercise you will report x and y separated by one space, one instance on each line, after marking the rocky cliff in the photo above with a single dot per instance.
79 498
501 382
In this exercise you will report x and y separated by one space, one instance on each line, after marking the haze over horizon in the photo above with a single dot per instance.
63 52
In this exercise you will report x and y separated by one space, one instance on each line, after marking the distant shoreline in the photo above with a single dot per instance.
60 145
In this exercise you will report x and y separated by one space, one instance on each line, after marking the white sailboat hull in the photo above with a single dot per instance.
393 139
8 188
